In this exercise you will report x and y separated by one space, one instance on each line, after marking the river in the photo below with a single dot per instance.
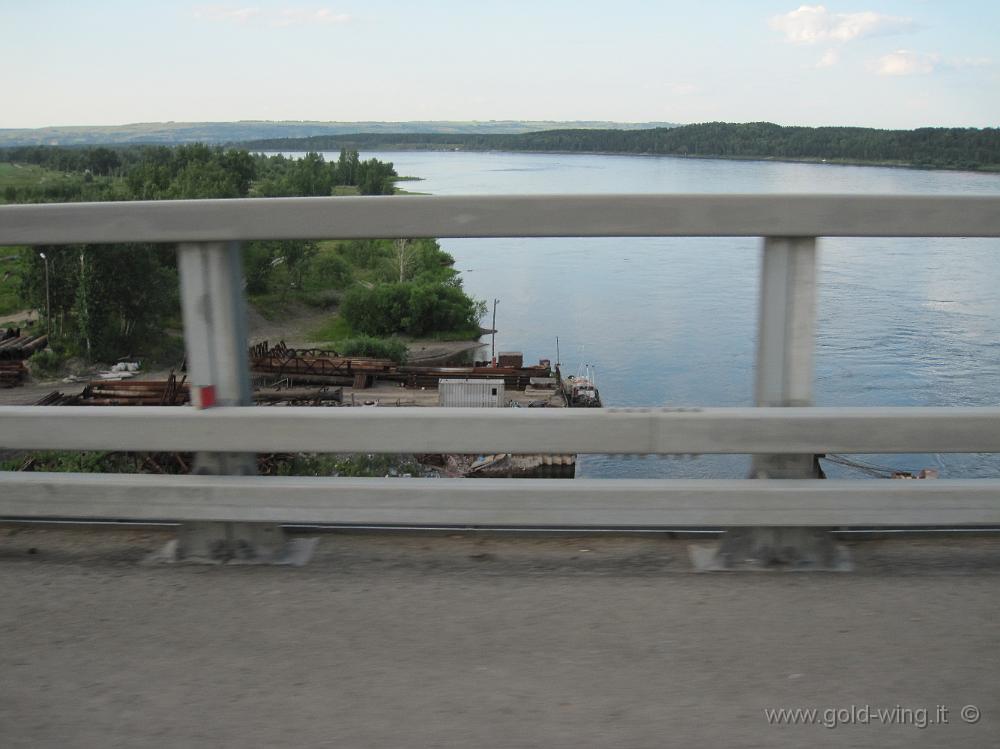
671 321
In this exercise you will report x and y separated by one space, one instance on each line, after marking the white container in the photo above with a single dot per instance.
471 393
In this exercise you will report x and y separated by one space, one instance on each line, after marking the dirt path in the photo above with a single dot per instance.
15 318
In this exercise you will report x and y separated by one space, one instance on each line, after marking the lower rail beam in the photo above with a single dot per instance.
501 502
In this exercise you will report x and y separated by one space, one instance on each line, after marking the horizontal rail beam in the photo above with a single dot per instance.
502 216
472 430
499 502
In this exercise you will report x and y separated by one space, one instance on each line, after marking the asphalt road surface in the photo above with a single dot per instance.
460 641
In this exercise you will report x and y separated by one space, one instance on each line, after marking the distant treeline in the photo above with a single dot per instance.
935 148
189 171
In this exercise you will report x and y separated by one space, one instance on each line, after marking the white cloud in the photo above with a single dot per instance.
905 62
830 58
812 24
286 17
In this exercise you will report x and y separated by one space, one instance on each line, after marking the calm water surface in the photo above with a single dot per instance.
672 321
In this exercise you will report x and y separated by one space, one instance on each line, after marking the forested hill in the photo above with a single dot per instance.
174 133
944 148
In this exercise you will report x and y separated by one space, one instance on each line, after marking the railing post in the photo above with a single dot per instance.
786 336
784 377
218 372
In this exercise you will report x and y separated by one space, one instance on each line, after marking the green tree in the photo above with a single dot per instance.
411 308
311 175
328 271
106 300
348 167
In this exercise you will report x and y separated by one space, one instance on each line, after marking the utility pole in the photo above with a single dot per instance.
493 327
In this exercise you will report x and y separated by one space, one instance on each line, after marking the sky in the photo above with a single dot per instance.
875 63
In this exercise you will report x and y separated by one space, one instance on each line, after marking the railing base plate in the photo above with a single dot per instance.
234 543
772 549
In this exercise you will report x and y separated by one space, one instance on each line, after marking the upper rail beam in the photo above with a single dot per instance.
502 216
473 430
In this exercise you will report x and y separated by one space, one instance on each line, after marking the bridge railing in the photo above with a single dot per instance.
782 440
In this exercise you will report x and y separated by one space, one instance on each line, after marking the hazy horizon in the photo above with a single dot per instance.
633 124
251 120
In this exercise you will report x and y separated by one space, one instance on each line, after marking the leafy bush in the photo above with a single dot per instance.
364 253
415 309
381 348
46 363
277 265
258 264
420 260
328 271
321 298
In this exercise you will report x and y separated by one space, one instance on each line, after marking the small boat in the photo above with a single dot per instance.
581 389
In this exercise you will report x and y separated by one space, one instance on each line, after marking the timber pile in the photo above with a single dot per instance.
327 366
174 392
169 392
14 346
14 349
12 373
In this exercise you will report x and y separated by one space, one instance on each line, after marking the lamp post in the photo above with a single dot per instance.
493 346
48 304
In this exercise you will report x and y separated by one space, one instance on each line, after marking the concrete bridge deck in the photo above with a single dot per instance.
466 641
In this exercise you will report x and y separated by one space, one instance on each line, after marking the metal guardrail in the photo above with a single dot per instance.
503 216
595 503
487 430
783 440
